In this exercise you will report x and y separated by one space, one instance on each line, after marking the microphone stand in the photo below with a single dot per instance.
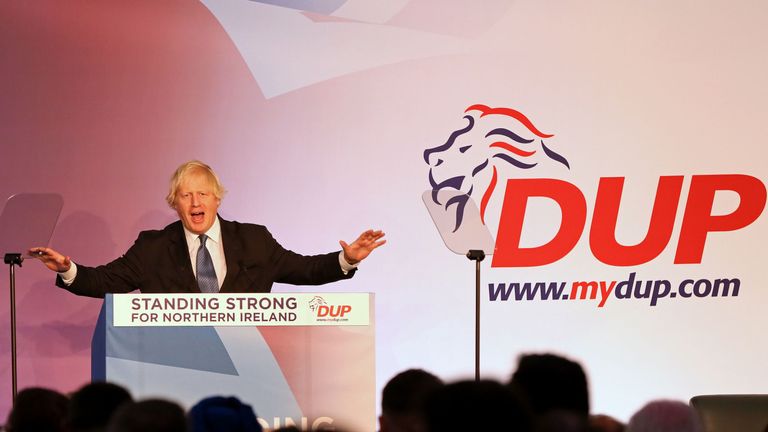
477 255
13 259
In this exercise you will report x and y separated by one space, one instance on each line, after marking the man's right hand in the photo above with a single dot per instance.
52 259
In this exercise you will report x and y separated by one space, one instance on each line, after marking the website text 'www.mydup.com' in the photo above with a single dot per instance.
602 291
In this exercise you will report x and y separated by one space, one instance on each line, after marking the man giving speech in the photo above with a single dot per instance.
201 252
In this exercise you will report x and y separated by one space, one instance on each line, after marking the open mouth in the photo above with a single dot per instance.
197 217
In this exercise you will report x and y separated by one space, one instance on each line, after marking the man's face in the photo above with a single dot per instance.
195 202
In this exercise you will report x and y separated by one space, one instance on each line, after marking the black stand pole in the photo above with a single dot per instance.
477 256
13 259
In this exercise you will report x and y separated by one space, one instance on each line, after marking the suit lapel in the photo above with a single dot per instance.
232 254
179 253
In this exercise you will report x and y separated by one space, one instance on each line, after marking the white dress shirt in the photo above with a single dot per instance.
215 247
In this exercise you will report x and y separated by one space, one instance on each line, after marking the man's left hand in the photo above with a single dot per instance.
363 246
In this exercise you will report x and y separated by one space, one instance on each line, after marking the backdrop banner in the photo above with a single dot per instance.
610 156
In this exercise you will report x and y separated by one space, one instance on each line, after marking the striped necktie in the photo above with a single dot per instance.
206 274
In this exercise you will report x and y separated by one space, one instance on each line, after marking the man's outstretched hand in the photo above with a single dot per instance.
363 246
52 259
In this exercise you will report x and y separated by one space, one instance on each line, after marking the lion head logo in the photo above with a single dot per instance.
471 160
316 302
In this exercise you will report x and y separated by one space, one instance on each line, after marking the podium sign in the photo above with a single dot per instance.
298 359
182 310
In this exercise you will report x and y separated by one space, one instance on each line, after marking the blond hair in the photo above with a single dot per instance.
187 168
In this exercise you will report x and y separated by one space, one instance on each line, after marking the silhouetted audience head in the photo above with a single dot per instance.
91 407
476 406
222 414
402 400
605 423
38 410
561 421
665 416
151 415
552 383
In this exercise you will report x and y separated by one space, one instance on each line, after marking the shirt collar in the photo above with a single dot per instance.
213 233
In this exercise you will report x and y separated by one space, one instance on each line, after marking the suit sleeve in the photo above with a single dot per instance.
292 268
119 276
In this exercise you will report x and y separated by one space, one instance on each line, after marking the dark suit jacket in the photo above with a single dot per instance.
159 262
